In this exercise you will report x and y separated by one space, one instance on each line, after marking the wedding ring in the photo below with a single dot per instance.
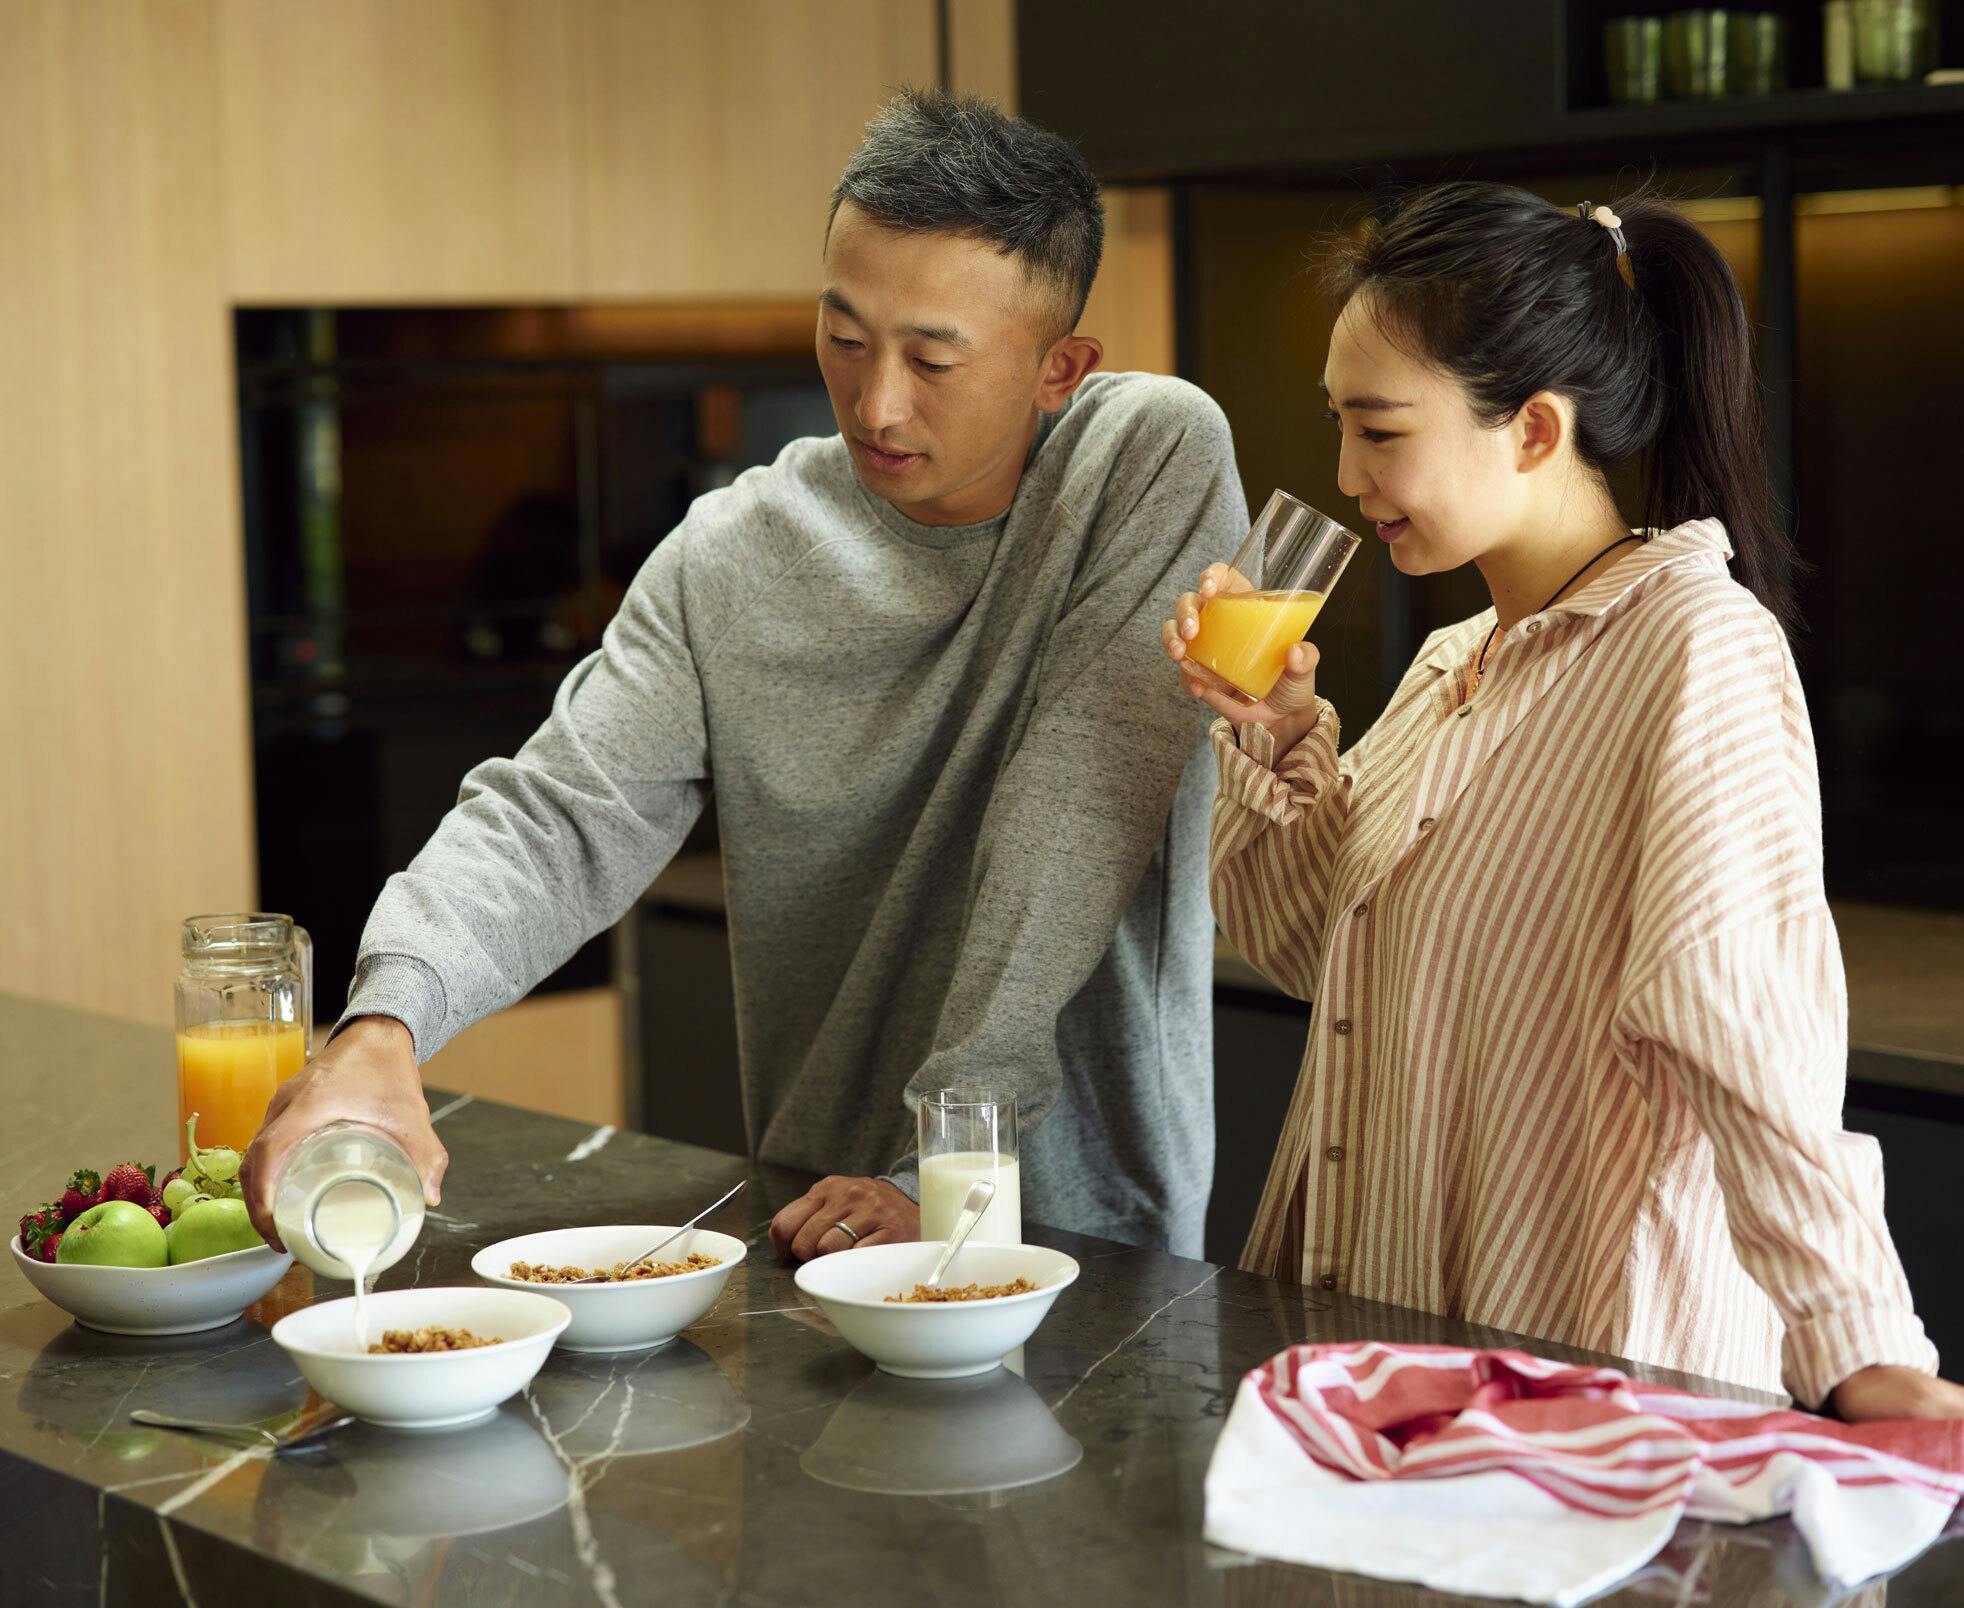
849 1229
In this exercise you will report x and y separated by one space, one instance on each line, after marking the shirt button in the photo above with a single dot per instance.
1427 824
1534 626
1361 910
1341 1026
1465 710
1335 1152
1328 1281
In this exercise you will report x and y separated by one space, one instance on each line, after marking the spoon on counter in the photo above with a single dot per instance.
980 1193
252 1434
614 1278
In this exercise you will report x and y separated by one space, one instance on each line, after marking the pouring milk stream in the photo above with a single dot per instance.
349 1205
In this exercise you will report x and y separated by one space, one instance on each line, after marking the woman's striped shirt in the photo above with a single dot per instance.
1577 1059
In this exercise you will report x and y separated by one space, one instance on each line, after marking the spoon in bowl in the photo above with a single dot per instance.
619 1276
980 1193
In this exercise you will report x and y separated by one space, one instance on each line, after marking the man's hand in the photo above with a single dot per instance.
366 1074
1884 1392
875 1211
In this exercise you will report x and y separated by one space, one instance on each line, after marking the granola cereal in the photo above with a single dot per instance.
540 1273
966 1292
403 1342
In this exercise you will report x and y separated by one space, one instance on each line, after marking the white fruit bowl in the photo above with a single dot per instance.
941 1340
618 1317
430 1390
157 1300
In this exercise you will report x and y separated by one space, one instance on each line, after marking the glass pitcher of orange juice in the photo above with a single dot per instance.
245 1020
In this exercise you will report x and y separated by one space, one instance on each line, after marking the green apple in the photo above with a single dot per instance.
118 1233
210 1228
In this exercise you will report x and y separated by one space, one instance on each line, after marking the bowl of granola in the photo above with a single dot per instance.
431 1359
635 1307
989 1302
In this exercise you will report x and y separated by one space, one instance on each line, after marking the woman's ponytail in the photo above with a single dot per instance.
1709 456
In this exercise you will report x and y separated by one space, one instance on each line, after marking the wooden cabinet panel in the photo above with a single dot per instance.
381 151
715 130
1131 305
560 1053
982 49
125 794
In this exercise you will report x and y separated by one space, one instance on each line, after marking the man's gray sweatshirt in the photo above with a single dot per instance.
961 798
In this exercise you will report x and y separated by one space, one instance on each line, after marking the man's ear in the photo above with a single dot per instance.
1064 367
1541 428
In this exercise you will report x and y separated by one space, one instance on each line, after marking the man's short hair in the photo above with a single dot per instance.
955 164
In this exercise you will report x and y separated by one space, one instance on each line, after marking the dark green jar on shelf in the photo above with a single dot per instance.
1633 59
1694 54
1756 53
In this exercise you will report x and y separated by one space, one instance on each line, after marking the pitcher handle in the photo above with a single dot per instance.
303 948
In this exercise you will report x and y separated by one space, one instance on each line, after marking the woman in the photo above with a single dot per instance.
1577 1062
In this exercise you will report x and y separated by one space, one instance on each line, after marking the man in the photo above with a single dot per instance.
893 654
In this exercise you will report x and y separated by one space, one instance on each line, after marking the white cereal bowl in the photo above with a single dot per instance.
429 1390
157 1300
940 1340
618 1317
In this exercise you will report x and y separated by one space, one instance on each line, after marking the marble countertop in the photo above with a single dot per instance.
756 1462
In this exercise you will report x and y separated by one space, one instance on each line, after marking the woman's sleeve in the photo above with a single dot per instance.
1274 838
1734 991
1751 1025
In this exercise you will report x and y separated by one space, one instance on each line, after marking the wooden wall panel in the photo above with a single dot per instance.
982 49
383 151
1131 306
125 791
560 1053
717 128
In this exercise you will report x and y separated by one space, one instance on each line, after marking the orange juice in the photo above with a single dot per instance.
1244 636
227 1072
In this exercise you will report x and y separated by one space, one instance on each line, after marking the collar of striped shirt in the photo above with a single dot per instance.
1695 541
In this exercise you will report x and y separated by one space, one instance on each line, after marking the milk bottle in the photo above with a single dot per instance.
349 1204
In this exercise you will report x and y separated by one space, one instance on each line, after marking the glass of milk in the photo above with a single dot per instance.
966 1134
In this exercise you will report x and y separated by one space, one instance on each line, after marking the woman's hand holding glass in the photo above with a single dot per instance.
1289 709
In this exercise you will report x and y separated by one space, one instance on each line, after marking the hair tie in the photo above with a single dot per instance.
1609 220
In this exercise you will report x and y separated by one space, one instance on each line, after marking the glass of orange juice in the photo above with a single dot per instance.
245 1015
1272 594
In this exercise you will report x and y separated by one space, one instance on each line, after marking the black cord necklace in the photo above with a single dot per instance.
1480 664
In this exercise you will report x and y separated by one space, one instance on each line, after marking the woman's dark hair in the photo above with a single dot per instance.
1513 295
932 161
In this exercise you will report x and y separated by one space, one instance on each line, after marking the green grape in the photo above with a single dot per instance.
211 1169
178 1193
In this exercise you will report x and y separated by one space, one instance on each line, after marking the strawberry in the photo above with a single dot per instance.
127 1182
158 1210
37 1225
84 1190
50 1245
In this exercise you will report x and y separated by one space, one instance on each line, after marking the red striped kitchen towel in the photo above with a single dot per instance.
1499 1474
